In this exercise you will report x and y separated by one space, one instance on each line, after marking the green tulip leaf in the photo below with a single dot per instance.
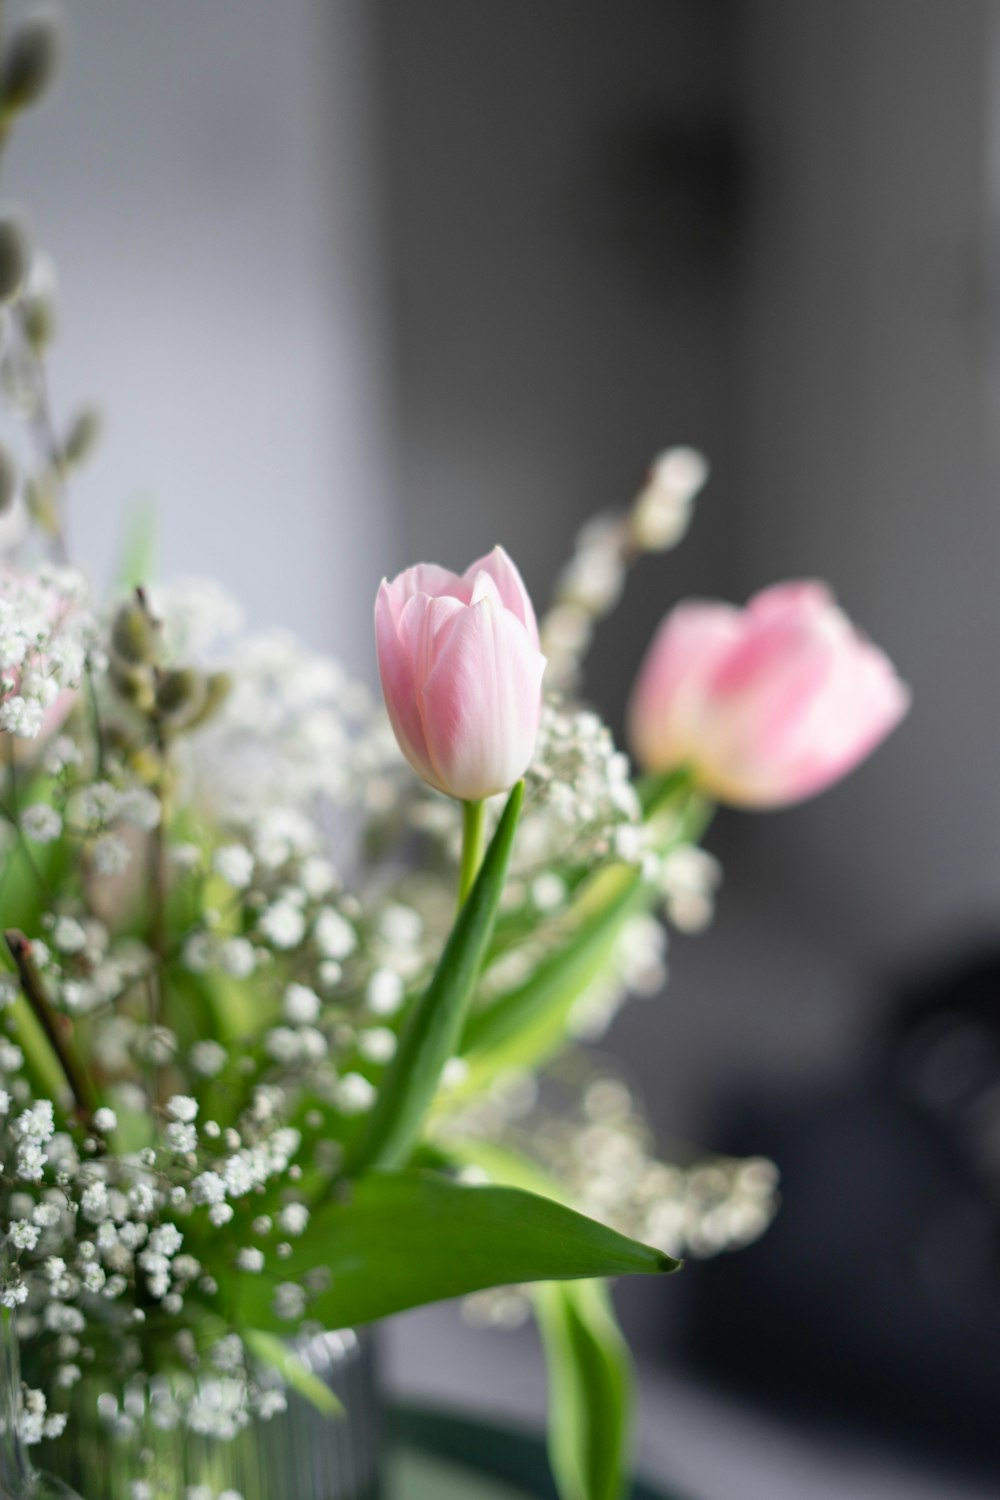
395 1240
523 1025
590 1389
433 1028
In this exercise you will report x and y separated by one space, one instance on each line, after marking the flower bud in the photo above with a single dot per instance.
41 498
8 480
30 63
662 508
218 686
766 705
134 634
13 258
83 435
132 683
180 692
38 314
461 673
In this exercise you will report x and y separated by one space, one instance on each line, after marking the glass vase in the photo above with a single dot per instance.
108 1453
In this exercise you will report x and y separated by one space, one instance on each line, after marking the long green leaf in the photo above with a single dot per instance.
544 999
433 1028
401 1239
273 1351
590 1370
590 1389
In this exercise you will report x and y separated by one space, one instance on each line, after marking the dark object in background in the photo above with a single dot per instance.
875 1296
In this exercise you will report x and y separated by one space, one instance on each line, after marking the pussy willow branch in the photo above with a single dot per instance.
54 1025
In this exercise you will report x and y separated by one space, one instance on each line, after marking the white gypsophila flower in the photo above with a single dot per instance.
293 1218
355 1094
182 1107
249 1258
234 863
110 855
104 1120
93 806
68 935
209 1188
21 716
23 1235
61 753
689 879
318 877
45 633
140 807
238 957
282 924
197 952
289 1301
333 934
208 1058
181 1138
301 1005
284 1045
41 823
284 735
378 1044
384 993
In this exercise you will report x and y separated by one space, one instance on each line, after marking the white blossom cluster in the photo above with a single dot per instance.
98 1242
46 633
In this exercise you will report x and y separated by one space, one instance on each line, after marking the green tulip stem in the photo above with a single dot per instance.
473 846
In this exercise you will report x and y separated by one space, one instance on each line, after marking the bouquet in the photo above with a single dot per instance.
296 982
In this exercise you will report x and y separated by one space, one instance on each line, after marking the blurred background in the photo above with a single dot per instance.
369 280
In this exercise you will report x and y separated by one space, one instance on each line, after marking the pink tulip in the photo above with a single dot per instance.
768 704
461 673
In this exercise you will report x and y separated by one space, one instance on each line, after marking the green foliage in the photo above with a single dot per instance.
400 1239
522 1027
432 1029
590 1389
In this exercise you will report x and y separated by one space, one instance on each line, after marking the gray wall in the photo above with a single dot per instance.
589 263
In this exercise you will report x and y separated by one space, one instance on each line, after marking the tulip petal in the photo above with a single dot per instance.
667 708
482 702
424 578
510 586
398 687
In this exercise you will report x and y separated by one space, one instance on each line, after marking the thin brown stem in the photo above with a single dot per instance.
56 1027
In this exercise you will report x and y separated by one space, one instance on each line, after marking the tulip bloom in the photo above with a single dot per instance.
767 705
462 673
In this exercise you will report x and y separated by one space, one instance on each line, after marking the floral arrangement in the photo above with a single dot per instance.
290 1034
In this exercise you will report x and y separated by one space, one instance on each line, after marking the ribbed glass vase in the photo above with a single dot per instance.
298 1454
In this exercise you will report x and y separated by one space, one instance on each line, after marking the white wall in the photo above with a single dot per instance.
204 178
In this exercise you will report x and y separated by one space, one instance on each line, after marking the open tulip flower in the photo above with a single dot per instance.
462 673
766 705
